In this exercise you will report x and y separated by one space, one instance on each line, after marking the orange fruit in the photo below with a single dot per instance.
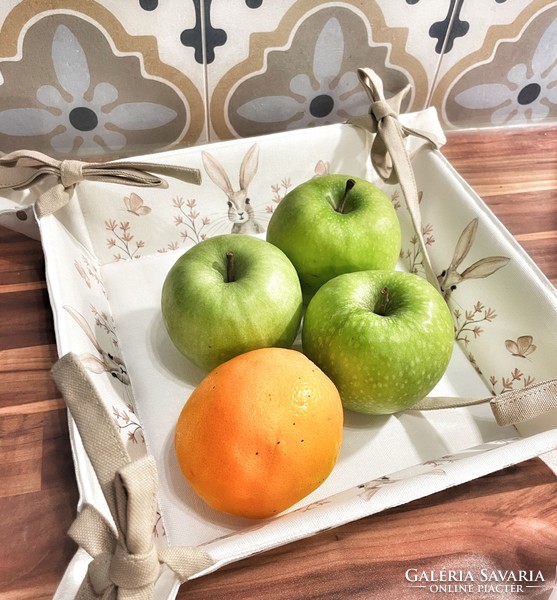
260 432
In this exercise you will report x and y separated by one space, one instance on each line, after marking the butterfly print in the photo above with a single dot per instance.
135 205
522 346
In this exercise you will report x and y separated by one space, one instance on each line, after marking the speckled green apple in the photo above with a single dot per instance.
230 294
385 338
335 224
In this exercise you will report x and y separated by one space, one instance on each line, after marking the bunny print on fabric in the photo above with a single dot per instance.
240 210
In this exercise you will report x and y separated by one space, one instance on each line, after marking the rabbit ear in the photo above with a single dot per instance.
92 363
249 167
485 267
216 172
465 242
81 321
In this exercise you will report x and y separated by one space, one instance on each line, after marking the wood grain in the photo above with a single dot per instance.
507 520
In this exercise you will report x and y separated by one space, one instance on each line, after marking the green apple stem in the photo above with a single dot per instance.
381 307
350 183
230 267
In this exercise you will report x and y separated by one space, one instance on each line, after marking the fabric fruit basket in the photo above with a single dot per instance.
111 233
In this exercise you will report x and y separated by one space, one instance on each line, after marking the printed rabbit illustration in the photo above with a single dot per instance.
240 210
106 362
451 277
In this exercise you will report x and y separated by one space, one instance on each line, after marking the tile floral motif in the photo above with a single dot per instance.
518 84
148 5
304 74
203 37
450 28
136 83
72 88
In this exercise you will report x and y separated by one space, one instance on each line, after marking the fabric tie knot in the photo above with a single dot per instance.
126 562
134 570
71 172
99 573
388 152
22 168
380 109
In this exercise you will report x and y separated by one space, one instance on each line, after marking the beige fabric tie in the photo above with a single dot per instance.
126 563
22 168
392 162
388 151
509 408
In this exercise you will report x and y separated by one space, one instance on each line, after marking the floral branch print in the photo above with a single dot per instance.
508 383
414 254
472 359
158 528
315 504
279 191
122 240
469 323
125 421
89 273
437 462
370 488
189 219
395 199
105 322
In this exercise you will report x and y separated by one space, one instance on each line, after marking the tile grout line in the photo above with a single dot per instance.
205 69
456 9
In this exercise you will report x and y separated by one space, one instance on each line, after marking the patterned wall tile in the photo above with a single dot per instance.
471 22
429 29
110 78
84 79
292 65
175 26
503 70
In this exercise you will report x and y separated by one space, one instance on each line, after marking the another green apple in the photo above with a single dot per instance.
385 338
335 224
229 294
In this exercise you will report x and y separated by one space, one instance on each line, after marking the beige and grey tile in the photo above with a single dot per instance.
504 71
77 82
297 68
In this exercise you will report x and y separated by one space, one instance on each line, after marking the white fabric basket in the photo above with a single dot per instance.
108 251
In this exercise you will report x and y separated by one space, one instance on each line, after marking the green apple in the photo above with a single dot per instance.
335 224
385 338
229 294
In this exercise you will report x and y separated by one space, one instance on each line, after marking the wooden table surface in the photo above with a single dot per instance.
507 520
